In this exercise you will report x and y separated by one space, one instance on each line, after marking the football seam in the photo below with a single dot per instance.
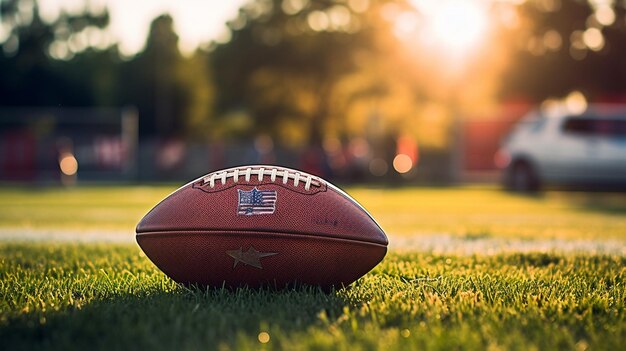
256 233
228 186
272 172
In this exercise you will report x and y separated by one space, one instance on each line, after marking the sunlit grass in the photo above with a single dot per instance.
64 296
103 207
464 211
472 211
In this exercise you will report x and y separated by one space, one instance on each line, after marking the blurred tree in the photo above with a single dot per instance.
306 70
197 78
38 64
70 61
284 63
173 93
152 83
568 45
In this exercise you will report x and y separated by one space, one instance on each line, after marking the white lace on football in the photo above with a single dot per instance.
261 173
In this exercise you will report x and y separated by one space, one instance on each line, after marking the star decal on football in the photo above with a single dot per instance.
252 257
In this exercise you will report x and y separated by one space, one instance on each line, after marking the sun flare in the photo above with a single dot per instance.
454 25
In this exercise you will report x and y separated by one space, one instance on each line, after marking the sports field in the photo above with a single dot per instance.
469 268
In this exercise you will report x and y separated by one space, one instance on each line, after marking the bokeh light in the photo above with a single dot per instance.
576 102
593 38
605 15
359 6
68 164
359 147
378 167
552 40
264 337
402 163
292 7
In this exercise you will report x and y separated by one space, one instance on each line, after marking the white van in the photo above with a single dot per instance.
588 150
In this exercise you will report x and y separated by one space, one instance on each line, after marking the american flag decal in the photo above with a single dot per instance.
256 202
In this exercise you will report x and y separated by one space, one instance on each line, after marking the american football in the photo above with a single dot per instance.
261 225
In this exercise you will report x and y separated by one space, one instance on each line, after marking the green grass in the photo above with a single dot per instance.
468 212
103 296
61 296
103 207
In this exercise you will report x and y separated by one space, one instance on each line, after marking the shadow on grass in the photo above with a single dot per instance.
184 318
594 200
605 203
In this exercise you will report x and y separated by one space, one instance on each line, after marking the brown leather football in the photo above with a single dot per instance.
261 225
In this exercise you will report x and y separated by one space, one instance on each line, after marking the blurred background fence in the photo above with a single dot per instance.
50 145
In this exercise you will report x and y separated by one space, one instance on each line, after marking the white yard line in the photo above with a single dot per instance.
427 242
448 244
69 235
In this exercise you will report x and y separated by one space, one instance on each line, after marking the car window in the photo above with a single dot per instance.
607 127
578 126
611 127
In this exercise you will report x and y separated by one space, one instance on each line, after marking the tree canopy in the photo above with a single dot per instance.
305 71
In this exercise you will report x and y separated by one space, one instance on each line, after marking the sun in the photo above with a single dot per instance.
454 25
